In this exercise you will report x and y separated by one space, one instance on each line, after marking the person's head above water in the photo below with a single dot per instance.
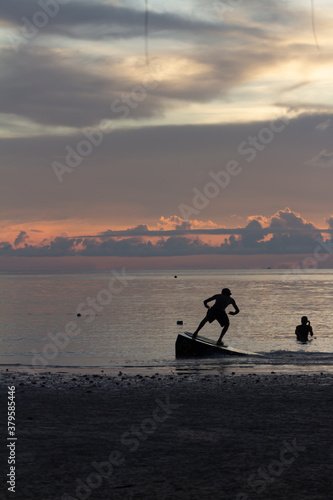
226 291
304 320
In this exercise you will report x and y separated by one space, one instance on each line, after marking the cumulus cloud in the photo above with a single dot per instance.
287 219
253 233
177 223
290 233
174 222
259 218
282 221
286 233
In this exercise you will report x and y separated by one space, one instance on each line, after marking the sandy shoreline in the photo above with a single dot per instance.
165 437
182 368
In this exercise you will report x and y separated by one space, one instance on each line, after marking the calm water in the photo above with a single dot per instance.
130 320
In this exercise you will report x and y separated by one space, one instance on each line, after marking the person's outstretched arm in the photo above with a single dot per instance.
236 311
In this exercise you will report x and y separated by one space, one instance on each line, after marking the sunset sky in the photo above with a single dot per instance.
207 143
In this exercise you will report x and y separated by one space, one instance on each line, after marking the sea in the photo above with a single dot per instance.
128 321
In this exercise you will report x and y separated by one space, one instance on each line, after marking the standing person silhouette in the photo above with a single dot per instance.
217 312
302 331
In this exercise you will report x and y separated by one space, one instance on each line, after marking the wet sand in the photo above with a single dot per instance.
165 437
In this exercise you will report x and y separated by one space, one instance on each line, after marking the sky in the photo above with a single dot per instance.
191 134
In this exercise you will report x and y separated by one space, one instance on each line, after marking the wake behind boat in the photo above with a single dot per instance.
186 346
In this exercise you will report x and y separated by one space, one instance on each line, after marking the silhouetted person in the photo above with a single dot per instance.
302 331
217 312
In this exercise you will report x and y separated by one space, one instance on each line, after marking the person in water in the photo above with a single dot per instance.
302 331
217 312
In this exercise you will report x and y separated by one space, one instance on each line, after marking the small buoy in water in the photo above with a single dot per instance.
179 322
78 315
175 276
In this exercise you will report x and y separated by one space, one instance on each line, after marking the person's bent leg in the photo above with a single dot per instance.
201 325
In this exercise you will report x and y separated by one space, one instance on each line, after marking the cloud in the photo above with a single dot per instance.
290 233
102 20
171 246
330 222
52 88
55 83
138 230
295 86
324 125
62 88
287 233
252 234
174 222
70 89
264 221
323 160
210 69
287 219
59 247
21 238
184 225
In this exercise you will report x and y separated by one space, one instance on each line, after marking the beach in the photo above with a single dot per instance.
237 437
